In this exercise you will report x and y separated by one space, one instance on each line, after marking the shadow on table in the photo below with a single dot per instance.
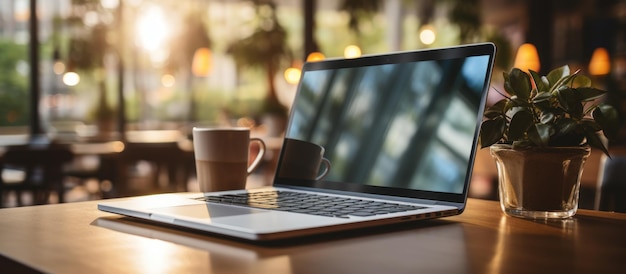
206 240
428 240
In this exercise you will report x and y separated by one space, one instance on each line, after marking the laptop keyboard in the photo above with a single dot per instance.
308 203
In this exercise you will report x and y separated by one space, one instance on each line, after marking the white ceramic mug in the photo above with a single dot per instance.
222 157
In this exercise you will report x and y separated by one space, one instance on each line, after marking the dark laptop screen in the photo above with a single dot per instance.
406 121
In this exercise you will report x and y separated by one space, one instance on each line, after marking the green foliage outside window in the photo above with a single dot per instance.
13 86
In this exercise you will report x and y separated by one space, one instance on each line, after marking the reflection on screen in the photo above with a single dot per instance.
405 125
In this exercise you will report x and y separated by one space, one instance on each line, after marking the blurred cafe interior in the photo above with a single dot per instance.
98 97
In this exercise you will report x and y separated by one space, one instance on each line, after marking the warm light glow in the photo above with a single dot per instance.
58 67
71 78
427 35
153 255
118 146
168 80
315 56
91 18
292 75
152 29
352 51
110 4
527 58
600 63
201 64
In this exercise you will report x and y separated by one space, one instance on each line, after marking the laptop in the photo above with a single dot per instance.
371 141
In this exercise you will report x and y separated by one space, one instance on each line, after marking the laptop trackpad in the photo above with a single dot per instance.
206 211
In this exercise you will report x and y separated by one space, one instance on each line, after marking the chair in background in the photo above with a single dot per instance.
95 161
161 158
611 193
43 171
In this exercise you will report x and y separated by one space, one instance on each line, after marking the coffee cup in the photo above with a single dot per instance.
303 160
222 155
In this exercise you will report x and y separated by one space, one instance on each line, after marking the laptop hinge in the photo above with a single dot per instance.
367 195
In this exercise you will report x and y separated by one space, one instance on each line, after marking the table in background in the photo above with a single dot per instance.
77 238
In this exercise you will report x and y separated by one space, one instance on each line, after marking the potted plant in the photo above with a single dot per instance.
540 135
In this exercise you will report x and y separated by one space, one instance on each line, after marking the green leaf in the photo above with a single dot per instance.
562 84
593 139
491 114
545 82
542 97
570 102
556 75
539 83
522 144
581 81
565 126
520 122
507 83
608 118
546 117
590 125
497 109
517 101
545 106
491 131
520 83
540 134
589 94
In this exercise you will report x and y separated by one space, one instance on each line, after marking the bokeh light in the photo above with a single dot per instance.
58 67
71 78
315 56
152 29
292 75
427 35
168 80
352 51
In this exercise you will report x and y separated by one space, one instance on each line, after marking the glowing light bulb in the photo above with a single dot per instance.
352 51
600 63
315 56
428 35
201 63
71 78
292 75
527 58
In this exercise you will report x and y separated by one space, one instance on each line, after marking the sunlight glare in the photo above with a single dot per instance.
152 29
91 18
109 4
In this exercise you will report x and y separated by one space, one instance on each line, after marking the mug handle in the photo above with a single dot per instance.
326 170
259 156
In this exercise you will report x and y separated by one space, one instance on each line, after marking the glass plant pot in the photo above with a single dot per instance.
539 183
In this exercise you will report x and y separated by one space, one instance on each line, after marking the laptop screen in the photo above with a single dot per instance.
399 124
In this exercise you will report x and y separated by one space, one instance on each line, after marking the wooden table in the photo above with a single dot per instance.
77 238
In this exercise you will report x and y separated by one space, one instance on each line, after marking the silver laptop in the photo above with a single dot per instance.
374 140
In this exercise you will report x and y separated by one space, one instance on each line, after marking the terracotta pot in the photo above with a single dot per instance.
539 183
